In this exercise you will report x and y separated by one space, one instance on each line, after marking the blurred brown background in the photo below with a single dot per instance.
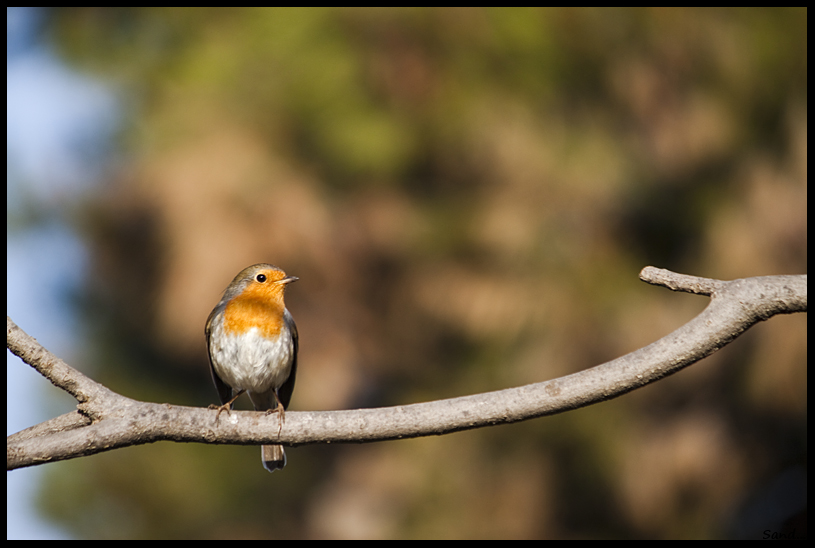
467 196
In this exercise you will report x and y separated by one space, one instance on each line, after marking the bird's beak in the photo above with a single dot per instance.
287 280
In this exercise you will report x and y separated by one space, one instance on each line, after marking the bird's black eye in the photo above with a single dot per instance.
261 278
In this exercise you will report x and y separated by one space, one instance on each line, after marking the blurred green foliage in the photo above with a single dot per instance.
470 194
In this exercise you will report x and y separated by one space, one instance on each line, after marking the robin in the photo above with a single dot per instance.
252 343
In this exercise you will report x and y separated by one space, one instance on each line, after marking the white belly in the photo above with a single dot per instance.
251 362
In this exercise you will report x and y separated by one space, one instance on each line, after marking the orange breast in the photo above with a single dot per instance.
258 309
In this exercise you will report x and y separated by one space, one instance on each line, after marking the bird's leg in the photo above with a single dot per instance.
281 413
227 406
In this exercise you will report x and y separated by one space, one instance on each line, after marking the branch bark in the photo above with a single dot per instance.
105 420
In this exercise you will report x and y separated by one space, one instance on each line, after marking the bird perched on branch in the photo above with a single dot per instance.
252 342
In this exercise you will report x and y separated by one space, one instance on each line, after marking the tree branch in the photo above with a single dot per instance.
105 420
